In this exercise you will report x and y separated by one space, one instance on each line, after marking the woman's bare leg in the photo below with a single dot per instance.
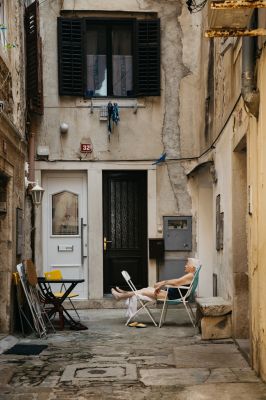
121 296
149 292
120 290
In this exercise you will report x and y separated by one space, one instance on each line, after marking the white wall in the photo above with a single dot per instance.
205 237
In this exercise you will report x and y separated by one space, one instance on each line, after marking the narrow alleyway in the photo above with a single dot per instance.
111 361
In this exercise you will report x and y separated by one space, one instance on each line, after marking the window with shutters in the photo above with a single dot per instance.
34 59
109 57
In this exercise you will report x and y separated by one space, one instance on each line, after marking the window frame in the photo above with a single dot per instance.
146 46
109 23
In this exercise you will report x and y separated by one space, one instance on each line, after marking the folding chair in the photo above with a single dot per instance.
28 278
185 299
143 300
21 303
56 274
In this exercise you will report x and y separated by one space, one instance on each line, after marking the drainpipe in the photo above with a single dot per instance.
249 90
32 179
32 151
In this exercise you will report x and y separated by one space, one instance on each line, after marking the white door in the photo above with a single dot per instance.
65 226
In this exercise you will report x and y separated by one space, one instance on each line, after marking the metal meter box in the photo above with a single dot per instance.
172 269
177 233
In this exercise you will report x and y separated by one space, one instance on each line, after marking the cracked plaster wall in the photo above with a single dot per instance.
169 123
12 152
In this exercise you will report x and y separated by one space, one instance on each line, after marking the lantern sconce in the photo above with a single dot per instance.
36 192
64 128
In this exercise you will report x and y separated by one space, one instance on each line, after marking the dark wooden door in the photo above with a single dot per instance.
124 228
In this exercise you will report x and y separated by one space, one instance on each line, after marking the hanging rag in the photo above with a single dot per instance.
110 113
115 114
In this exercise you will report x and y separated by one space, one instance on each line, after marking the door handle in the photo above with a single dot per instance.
105 241
82 225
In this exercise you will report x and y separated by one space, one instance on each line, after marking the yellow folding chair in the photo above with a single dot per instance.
56 275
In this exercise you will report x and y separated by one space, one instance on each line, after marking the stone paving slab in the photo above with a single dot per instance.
209 356
173 376
195 376
99 372
112 362
225 391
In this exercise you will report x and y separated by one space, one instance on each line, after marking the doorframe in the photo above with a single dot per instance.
95 218
46 235
111 254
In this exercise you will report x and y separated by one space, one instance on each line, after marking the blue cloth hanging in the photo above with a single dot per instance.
115 113
110 113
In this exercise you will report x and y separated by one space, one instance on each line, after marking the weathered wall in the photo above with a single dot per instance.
12 151
257 232
168 123
201 190
223 165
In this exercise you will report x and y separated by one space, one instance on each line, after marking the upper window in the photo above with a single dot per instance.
100 58
109 60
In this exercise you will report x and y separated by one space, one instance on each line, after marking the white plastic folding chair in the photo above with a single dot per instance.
144 301
185 299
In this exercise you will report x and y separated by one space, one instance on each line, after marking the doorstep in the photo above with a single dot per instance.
96 304
6 342
107 302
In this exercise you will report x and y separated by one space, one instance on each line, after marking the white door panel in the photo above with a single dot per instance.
65 226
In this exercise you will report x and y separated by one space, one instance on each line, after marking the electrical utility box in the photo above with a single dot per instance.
172 269
177 233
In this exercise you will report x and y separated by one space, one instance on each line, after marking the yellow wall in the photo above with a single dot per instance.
257 227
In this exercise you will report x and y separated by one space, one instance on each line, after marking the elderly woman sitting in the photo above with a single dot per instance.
157 292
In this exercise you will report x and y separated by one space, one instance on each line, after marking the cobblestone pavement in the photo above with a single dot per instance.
110 361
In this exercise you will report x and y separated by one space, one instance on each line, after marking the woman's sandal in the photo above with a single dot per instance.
141 325
137 325
133 324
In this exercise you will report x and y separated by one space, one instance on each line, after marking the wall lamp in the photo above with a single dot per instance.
36 192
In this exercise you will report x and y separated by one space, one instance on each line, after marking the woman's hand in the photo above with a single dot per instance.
157 291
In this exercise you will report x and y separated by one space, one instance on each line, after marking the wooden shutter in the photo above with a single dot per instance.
148 57
34 59
70 56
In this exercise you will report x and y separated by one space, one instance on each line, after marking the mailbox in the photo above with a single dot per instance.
156 248
177 233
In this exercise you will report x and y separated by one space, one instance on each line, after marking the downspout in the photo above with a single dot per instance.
32 155
32 179
249 90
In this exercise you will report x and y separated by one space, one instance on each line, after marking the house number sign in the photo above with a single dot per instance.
85 147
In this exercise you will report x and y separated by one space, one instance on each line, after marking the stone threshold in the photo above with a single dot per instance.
108 303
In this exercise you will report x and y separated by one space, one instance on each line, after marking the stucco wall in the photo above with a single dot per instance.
12 152
169 123
257 232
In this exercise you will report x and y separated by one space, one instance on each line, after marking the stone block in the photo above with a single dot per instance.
213 306
216 327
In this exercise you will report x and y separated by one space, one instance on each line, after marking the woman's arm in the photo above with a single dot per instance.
184 280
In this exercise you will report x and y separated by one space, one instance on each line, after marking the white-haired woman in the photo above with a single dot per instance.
157 292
